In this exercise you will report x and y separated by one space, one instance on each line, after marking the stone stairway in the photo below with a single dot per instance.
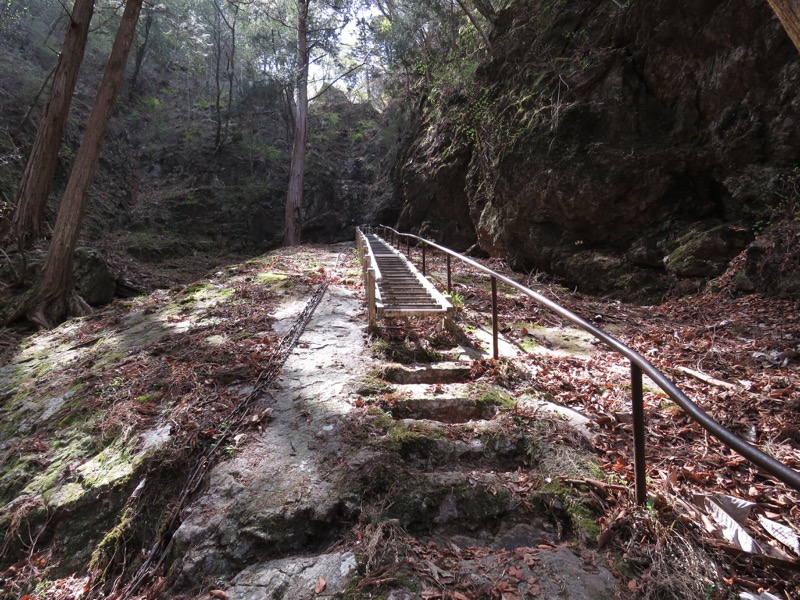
463 448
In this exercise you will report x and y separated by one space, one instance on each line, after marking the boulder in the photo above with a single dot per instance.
706 254
661 118
93 279
301 577
772 262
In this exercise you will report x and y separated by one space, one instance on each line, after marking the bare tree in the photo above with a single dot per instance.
37 179
54 297
141 50
224 64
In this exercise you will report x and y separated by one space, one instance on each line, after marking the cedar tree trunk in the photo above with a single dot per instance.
54 297
37 179
293 223
788 12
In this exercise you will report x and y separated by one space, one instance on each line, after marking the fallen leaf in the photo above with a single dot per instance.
321 585
737 508
516 573
785 535
218 594
731 530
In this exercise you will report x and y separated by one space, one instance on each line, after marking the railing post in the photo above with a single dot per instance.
639 467
408 247
495 350
371 309
423 258
449 281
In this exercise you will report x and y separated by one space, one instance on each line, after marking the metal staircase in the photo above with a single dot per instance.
394 285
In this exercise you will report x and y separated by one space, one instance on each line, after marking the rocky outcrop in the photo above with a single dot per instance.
601 136
772 263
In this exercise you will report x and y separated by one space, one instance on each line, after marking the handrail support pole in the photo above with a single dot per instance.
639 465
495 348
371 300
423 260
449 280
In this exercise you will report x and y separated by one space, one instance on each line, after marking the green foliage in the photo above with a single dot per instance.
783 203
270 152
152 103
362 130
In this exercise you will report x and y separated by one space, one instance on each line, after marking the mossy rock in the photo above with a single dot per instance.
706 254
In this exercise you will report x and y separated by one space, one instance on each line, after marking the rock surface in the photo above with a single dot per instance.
599 133
297 578
279 494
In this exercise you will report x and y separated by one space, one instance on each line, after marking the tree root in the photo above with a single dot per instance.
44 311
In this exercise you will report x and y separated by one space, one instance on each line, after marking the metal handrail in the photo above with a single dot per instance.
639 365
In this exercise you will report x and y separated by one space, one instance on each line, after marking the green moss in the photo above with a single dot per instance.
146 398
373 384
64 494
494 396
270 277
406 441
379 418
113 465
113 542
580 517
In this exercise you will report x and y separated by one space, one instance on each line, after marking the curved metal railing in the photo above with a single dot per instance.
639 366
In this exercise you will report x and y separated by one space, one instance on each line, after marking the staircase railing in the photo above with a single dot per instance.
639 366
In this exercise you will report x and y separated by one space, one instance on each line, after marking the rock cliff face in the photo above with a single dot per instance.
628 147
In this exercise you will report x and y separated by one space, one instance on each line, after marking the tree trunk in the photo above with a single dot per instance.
486 9
141 52
230 68
54 297
293 223
788 12
37 179
217 75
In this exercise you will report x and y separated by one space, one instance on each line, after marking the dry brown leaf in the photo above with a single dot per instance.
321 585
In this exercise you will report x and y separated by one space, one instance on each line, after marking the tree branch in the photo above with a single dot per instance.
339 78
475 24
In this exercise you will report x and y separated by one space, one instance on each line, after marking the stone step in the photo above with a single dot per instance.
463 446
433 373
445 409
446 403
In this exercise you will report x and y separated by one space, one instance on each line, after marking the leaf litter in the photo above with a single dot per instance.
738 358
